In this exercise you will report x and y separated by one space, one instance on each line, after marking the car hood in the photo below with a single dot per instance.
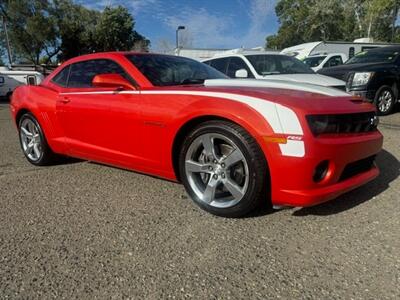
308 98
277 84
342 72
307 78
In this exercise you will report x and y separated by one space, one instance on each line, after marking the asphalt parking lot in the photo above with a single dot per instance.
84 230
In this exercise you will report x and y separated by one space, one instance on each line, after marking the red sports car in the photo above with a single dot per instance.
233 143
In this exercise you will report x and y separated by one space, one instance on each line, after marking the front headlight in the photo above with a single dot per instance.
361 79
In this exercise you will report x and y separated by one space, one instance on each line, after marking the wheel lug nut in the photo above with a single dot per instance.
223 165
215 176
223 175
210 168
215 161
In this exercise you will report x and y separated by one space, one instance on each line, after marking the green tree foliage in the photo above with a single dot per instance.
114 30
42 30
313 20
31 31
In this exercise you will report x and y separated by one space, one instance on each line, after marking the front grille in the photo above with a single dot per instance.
343 123
357 167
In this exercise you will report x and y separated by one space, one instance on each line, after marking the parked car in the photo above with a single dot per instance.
10 79
270 66
325 60
374 75
232 143
302 51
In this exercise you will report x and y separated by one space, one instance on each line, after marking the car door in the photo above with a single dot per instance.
100 123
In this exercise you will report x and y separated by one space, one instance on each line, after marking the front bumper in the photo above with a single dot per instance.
292 177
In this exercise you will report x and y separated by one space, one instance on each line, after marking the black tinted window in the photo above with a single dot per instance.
82 73
382 55
164 70
333 62
61 78
221 64
236 63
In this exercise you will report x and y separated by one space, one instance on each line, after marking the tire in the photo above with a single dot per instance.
223 169
33 142
385 100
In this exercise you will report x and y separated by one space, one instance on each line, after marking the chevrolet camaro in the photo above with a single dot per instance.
235 144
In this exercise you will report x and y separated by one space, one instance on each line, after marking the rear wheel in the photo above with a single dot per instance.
33 142
385 100
223 169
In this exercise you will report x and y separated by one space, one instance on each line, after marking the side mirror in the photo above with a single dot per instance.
112 81
241 73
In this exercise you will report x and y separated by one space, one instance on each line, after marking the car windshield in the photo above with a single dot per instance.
314 61
164 70
377 55
271 64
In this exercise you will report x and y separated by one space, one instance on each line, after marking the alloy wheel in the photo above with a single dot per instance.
31 140
385 101
217 170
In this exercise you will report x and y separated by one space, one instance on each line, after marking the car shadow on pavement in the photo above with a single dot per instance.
389 170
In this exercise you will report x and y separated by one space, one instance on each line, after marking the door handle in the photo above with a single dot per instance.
65 100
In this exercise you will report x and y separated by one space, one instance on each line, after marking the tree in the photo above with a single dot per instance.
76 27
41 30
313 20
31 30
114 31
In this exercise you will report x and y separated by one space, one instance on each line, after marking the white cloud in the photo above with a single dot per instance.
207 29
203 28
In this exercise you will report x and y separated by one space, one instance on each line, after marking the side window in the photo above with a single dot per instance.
1 80
106 66
220 64
334 61
236 63
82 73
61 78
31 80
207 62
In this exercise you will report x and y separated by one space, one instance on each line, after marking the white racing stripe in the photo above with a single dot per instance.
282 119
278 84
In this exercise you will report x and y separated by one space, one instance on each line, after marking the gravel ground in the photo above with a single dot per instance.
84 230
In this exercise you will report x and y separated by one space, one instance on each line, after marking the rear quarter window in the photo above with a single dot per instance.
61 78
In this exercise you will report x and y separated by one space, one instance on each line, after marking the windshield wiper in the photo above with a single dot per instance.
271 73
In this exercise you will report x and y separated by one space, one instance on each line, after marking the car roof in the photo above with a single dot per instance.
223 55
99 55
387 48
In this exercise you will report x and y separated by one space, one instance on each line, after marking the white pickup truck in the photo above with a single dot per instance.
10 79
325 60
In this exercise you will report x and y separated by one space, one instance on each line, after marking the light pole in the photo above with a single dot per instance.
177 30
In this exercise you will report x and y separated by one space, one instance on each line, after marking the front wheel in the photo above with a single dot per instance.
385 100
223 169
33 141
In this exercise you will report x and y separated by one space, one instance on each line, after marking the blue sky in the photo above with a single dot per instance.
209 23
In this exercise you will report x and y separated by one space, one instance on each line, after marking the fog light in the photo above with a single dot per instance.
321 170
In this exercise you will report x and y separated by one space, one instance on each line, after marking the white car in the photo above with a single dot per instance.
325 60
270 66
